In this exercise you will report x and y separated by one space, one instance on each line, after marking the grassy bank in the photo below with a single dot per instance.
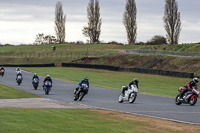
102 54
7 92
182 64
85 121
149 84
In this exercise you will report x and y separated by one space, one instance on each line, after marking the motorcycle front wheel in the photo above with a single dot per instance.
47 91
193 101
132 97
81 95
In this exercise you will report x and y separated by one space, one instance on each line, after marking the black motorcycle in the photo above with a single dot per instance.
35 83
79 95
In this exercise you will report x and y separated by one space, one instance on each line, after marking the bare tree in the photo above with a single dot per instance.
129 20
172 21
60 19
93 29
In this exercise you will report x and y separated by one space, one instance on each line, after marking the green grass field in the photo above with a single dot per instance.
149 84
82 120
7 92
60 121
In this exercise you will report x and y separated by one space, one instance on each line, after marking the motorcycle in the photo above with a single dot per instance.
2 72
81 92
130 94
189 97
19 79
47 87
35 83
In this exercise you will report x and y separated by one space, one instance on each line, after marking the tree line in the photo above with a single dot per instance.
171 19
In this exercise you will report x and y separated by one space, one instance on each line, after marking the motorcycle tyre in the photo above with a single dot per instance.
130 99
81 95
177 101
18 83
75 98
120 99
193 102
46 91
35 87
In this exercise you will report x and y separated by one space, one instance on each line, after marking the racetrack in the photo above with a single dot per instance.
148 105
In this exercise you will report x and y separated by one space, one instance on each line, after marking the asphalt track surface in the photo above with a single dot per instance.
147 105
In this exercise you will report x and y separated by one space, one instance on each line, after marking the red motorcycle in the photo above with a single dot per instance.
189 97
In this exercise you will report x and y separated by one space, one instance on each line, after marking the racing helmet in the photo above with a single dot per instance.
48 76
135 80
35 74
86 79
195 80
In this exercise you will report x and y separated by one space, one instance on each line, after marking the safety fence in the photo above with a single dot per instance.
137 70
30 65
164 52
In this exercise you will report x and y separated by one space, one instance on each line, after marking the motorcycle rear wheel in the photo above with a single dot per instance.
75 98
76 95
193 101
121 98
177 100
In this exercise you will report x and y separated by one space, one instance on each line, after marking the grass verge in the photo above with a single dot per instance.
83 120
7 92
149 84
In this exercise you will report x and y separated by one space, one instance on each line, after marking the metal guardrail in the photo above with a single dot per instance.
160 52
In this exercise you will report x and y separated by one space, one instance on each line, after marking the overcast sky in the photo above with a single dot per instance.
21 20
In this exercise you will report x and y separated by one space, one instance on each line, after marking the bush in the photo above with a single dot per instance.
157 40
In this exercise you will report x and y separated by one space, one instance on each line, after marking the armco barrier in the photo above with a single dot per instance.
137 70
30 65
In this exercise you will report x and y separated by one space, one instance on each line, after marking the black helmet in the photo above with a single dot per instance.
196 80
135 80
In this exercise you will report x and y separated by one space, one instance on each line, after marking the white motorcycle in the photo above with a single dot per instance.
130 94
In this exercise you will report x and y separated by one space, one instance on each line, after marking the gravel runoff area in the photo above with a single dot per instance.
38 103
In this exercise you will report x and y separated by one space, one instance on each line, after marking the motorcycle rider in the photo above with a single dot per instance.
48 78
134 82
18 70
189 86
2 68
35 77
84 81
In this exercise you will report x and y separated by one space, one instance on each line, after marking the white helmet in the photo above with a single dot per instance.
196 80
48 76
